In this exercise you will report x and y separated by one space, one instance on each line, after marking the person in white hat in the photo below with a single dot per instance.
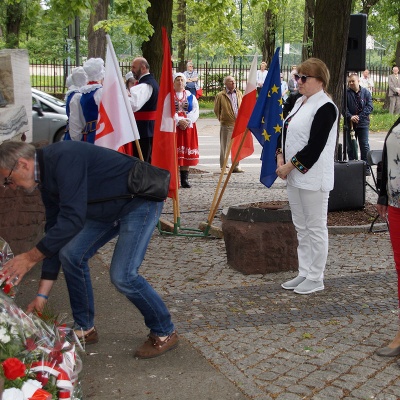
91 96
76 120
130 81
186 115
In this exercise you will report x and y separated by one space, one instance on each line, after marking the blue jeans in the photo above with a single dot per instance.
134 232
362 137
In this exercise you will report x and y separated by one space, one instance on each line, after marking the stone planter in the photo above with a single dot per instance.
260 240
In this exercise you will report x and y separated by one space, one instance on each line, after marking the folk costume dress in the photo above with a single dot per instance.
187 107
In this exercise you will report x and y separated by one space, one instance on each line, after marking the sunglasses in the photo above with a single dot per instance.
303 78
8 181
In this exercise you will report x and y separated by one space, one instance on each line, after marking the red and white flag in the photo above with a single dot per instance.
244 113
116 124
164 153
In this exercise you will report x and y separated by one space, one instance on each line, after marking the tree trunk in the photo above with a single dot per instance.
181 25
97 39
160 14
14 15
268 47
308 34
397 55
332 26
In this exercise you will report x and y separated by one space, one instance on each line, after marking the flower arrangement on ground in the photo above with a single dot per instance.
38 355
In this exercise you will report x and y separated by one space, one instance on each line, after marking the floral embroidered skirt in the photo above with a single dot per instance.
188 146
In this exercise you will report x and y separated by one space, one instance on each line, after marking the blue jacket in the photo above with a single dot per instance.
71 174
367 107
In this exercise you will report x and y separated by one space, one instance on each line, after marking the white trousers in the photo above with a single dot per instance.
309 214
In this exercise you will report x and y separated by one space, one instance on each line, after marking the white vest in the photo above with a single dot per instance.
321 175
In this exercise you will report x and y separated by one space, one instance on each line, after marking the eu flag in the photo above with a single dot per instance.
266 120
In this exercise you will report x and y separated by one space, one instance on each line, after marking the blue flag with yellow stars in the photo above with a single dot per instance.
266 120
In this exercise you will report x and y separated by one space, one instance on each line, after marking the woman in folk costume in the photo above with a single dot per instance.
186 115
91 96
75 81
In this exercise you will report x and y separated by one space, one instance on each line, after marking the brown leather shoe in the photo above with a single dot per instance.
154 346
91 337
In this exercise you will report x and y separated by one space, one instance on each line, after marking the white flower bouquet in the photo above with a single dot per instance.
38 355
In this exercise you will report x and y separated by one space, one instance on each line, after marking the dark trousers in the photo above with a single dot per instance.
146 145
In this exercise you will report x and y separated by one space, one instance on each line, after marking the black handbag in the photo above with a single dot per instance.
145 181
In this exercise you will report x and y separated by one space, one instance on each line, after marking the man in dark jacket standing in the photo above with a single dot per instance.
143 98
359 108
70 175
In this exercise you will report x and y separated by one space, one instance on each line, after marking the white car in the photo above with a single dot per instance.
48 117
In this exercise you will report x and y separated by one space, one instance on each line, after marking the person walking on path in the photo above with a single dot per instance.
71 175
305 158
226 106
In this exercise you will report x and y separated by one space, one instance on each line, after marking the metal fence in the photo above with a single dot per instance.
50 76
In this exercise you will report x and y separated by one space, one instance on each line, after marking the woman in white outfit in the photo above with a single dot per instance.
305 158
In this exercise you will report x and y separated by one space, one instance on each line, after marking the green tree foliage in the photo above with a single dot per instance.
384 27
17 17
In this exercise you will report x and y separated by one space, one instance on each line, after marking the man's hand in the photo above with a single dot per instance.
355 119
15 269
37 304
382 210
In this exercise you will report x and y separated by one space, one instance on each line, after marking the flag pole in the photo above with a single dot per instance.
177 213
221 175
125 95
214 211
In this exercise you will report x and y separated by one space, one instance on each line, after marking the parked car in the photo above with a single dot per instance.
48 117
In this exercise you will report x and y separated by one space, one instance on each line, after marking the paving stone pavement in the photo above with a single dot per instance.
272 343
260 341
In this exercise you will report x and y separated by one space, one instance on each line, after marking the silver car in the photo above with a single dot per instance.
48 117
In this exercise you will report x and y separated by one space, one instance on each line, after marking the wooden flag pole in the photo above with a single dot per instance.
219 182
139 150
214 211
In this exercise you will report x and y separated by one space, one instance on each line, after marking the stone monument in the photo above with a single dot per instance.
21 215
15 89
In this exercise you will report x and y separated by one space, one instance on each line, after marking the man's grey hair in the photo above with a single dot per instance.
189 64
228 77
10 152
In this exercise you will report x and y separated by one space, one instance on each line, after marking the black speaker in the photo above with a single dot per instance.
349 190
357 43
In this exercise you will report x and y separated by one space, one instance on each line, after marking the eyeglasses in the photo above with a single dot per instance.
8 181
303 78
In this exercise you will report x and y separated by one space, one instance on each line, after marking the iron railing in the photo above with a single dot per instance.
50 76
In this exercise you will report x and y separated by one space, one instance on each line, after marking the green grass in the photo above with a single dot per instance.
205 104
381 120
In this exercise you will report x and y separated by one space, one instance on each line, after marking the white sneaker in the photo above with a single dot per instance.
293 283
307 287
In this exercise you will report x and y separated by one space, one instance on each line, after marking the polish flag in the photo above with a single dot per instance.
242 119
164 153
116 124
